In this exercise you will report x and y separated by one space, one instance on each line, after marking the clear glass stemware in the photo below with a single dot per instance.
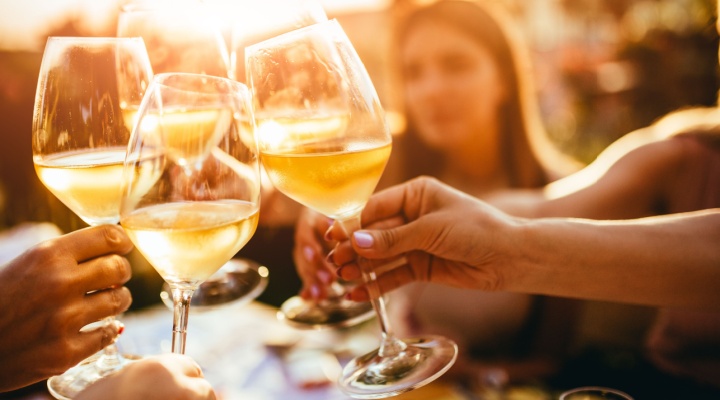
254 23
81 128
191 182
186 36
324 142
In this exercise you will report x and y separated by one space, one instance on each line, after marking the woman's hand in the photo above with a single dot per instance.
446 236
310 252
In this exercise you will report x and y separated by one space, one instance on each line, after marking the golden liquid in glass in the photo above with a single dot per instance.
187 242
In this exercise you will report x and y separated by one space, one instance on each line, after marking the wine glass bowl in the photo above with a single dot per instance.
79 140
324 142
191 182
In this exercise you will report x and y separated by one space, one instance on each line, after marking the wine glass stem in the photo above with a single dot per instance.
110 358
181 308
389 345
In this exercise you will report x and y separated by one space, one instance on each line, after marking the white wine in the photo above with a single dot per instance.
89 182
335 180
187 242
185 135
279 134
189 135
130 115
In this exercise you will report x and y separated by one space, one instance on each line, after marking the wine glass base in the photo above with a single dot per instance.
325 314
237 282
373 377
79 377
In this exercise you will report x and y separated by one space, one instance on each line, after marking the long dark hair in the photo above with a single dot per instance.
521 128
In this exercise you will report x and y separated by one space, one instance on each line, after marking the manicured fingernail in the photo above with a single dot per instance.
324 276
363 239
314 291
309 253
120 327
330 257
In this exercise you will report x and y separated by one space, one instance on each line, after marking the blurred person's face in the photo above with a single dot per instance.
453 88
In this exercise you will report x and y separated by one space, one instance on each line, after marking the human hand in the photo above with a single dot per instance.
309 254
446 236
167 376
53 290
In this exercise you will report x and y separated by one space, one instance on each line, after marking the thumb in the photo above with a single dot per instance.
385 243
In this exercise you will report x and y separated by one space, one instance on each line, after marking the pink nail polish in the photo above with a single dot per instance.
309 253
363 239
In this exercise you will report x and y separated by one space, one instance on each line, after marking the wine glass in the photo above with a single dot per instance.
324 141
184 36
594 393
180 36
254 23
191 183
80 136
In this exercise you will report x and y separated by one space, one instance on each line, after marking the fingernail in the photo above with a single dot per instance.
309 253
363 239
315 291
330 257
339 272
328 233
113 235
120 327
324 276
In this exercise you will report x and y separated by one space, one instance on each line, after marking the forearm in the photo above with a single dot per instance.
665 261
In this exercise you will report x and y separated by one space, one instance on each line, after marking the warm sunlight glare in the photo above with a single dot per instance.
22 23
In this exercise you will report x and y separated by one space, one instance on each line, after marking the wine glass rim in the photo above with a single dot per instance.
333 24
595 388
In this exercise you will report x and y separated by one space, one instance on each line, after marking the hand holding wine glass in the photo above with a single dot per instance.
41 335
192 182
80 135
324 141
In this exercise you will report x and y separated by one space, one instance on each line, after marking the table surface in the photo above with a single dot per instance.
246 353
